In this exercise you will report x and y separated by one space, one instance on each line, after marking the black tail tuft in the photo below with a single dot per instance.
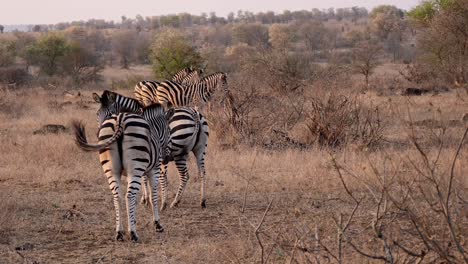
80 134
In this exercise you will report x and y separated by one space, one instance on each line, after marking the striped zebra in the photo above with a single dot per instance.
187 75
189 132
145 90
175 94
128 142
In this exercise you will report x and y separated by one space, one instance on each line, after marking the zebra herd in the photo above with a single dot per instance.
140 136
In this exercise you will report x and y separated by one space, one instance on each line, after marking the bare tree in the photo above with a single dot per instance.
365 59
123 46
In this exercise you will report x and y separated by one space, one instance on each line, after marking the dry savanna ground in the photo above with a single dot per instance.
56 206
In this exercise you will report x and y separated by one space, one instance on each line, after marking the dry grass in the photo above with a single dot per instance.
56 203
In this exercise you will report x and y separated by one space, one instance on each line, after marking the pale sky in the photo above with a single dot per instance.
54 11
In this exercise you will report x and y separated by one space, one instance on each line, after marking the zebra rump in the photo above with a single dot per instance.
82 142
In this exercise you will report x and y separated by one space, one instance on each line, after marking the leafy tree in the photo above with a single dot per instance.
386 19
81 64
47 52
444 37
7 52
83 60
1 29
171 52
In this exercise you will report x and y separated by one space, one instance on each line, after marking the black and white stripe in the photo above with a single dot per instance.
132 143
145 91
189 132
197 94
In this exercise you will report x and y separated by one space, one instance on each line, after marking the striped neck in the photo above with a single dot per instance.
127 104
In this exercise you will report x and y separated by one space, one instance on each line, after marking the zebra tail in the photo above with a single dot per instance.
196 116
82 142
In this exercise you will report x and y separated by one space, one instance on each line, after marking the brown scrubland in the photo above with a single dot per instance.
339 141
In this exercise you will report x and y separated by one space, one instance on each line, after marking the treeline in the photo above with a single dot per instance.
184 20
79 51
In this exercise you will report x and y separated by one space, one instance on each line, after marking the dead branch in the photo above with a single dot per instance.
257 230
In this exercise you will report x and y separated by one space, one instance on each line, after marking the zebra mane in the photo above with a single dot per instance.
154 106
109 97
212 76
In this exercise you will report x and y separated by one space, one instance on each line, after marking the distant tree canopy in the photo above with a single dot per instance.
47 52
171 51
123 46
73 53
427 10
7 53
1 29
386 19
253 34
444 36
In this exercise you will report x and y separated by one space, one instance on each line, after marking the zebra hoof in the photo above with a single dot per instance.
134 236
158 226
203 204
119 236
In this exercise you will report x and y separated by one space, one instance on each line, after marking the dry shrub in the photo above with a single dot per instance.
422 76
335 120
127 83
416 203
251 113
13 75
10 105
387 85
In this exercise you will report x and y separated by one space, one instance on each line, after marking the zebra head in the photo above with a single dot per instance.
220 80
113 103
192 78
180 75
107 107
215 80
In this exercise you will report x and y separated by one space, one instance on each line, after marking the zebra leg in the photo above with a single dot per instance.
154 182
181 164
134 184
163 182
145 198
113 174
200 155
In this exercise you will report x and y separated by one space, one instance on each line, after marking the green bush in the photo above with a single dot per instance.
171 51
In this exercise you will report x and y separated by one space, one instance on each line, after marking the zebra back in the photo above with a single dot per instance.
195 94
202 91
145 92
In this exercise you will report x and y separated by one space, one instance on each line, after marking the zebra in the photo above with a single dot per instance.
174 94
129 142
187 75
189 132
145 90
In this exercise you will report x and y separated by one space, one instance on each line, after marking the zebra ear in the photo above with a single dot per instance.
96 98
